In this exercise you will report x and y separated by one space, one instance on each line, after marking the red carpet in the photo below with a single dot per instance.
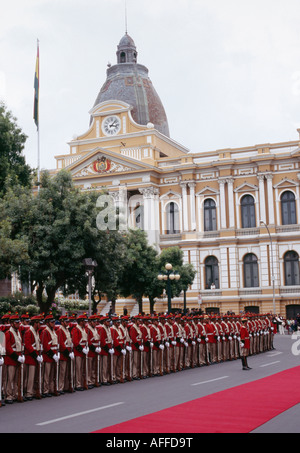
240 409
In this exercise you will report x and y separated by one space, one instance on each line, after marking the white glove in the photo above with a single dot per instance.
141 348
39 359
151 345
85 350
230 337
206 339
98 350
193 343
111 351
223 338
21 359
71 355
181 340
219 338
161 346
123 351
167 344
129 348
199 340
174 343
1 361
234 336
242 345
186 344
56 358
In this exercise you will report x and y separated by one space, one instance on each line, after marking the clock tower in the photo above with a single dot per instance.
129 82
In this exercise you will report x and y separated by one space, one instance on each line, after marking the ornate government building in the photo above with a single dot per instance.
233 212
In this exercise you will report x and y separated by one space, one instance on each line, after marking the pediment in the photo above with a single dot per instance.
207 191
285 183
170 195
246 187
101 162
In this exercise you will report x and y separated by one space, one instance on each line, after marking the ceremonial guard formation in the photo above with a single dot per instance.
42 357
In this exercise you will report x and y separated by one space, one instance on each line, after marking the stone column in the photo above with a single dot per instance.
192 186
262 203
270 199
151 213
230 202
185 206
222 203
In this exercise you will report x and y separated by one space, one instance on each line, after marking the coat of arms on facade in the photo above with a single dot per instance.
102 165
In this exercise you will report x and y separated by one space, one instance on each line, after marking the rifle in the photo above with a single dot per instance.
151 358
207 352
71 373
122 378
97 383
39 386
56 374
85 376
161 367
168 356
112 365
174 357
2 352
20 397
142 359
192 356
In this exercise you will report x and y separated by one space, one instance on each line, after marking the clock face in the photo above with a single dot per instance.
111 125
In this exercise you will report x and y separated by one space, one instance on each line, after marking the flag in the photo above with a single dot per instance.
36 89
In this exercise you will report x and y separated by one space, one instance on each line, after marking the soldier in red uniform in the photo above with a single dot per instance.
107 351
118 339
136 336
81 349
157 347
94 352
33 359
244 343
66 374
14 361
49 342
211 333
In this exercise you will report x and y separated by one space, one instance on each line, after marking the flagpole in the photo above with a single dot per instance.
38 126
36 109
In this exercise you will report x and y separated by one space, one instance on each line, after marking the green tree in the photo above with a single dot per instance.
174 256
140 267
13 168
60 228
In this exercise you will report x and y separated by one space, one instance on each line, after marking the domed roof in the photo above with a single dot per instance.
129 82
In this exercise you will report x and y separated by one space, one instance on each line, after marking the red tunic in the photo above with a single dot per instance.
211 333
245 337
31 347
11 358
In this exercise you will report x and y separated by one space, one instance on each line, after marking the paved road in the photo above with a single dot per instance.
84 412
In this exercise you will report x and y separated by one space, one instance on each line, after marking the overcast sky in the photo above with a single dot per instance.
227 71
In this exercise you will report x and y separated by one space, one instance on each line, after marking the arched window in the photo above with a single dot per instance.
250 271
123 57
291 268
248 212
172 218
288 208
210 218
211 272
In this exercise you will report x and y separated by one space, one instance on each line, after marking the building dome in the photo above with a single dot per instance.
129 82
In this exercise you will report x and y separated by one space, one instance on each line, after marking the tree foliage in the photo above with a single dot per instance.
13 168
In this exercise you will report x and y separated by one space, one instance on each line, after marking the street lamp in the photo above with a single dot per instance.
272 266
169 276
90 265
